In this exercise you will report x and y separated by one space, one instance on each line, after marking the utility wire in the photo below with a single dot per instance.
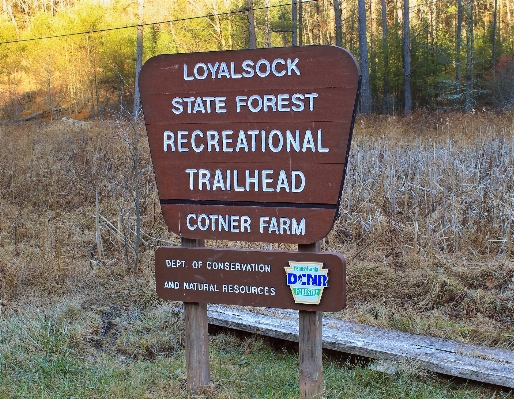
240 11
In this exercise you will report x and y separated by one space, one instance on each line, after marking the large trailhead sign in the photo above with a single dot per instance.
251 145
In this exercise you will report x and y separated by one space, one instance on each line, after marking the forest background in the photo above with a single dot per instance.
79 57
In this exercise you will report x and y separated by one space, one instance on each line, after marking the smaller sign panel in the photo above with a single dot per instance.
275 279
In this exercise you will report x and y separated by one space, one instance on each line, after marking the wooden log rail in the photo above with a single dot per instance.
478 363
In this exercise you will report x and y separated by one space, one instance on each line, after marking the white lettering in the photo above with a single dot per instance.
212 140
282 182
218 181
274 141
269 225
191 177
263 68
240 100
205 71
247 66
193 140
283 101
294 175
247 180
266 180
274 67
230 223
213 68
258 106
223 72
227 140
198 104
280 102
203 177
185 74
266 70
291 66
188 221
298 229
169 139
320 145
177 103
233 72
278 134
182 140
241 141
220 105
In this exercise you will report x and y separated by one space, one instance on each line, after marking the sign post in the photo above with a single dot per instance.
196 336
310 340
251 145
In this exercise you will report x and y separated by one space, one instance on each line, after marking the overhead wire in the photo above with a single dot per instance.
87 32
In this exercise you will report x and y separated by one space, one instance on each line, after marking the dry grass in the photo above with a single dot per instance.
426 226
425 220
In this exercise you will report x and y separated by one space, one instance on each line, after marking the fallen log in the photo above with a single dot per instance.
30 117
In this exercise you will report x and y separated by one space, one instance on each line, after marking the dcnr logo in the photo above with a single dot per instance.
318 280
307 281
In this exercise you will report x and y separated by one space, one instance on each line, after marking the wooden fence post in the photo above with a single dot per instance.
197 337
310 345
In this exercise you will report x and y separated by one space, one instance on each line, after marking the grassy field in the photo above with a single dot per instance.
119 351
425 225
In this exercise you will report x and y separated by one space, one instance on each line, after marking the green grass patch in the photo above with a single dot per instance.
70 352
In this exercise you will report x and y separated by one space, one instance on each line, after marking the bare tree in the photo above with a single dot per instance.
339 32
294 20
268 24
458 44
495 21
251 25
364 62
139 59
470 54
385 49
300 23
135 114
406 58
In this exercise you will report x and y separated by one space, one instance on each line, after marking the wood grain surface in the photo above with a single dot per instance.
243 277
284 130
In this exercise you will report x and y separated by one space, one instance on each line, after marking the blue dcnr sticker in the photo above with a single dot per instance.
307 281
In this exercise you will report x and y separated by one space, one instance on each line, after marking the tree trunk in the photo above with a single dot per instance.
283 19
300 23
339 32
470 55
135 155
268 26
406 58
458 44
364 62
495 16
139 59
251 25
294 20
385 47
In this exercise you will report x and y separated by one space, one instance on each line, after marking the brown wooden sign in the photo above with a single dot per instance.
278 279
251 145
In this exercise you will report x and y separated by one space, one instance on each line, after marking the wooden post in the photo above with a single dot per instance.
197 337
310 344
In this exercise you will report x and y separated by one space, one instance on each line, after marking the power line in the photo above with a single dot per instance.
240 11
